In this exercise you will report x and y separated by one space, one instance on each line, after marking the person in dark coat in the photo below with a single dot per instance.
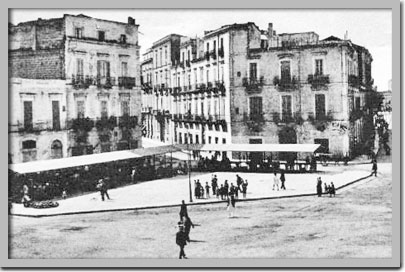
181 241
332 190
239 182
102 186
319 187
187 226
222 191
244 188
374 168
183 210
326 190
226 189
214 184
282 179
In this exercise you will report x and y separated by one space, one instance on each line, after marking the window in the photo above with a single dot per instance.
320 105
256 107
124 69
318 67
79 67
286 107
252 71
165 56
197 141
103 69
30 144
201 74
55 115
216 140
182 56
208 47
209 139
80 109
101 35
285 67
255 141
124 108
56 150
224 141
222 43
188 55
215 46
79 32
28 115
208 76
123 38
29 151
357 105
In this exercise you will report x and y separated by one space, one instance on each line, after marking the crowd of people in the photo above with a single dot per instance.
220 191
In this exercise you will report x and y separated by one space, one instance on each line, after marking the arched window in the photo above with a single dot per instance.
56 150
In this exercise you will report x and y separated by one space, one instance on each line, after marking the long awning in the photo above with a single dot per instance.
47 165
302 148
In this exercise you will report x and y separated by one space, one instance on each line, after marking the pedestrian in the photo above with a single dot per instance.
231 205
319 187
282 179
244 188
187 226
236 191
181 241
102 186
64 194
222 191
239 181
374 168
226 189
217 192
26 198
326 190
196 190
207 190
276 181
183 210
214 184
332 190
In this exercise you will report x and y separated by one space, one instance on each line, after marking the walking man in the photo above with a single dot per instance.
102 186
244 188
374 169
187 226
181 241
183 210
282 179
319 187
276 181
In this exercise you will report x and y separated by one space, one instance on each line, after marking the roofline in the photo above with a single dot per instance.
104 20
166 38
227 28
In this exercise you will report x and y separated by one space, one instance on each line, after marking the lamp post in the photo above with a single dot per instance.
189 167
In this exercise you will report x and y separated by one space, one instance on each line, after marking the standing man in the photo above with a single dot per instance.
319 187
187 226
181 241
239 181
276 181
214 184
207 190
183 210
226 189
374 169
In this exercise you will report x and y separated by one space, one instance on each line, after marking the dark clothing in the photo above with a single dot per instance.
332 190
183 211
104 193
214 185
181 241
282 179
319 188
244 189
374 169
187 226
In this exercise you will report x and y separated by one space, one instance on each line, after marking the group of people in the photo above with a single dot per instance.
328 189
223 191
183 235
277 180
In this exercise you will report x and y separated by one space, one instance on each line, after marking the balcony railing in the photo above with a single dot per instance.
318 81
253 85
213 54
81 81
285 83
105 82
207 55
188 63
221 52
126 82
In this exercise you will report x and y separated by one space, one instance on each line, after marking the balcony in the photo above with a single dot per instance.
108 123
81 82
126 82
286 83
207 56
318 81
105 82
320 121
254 122
253 85
213 54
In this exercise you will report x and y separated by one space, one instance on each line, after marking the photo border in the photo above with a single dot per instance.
217 263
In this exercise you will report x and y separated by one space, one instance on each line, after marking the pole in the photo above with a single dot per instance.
189 169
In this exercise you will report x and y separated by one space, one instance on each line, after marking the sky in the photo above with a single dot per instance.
369 28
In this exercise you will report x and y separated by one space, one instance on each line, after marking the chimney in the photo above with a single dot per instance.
270 31
131 21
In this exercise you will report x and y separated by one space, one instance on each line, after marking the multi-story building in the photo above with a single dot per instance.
240 84
74 87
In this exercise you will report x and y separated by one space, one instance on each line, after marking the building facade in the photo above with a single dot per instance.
240 84
74 87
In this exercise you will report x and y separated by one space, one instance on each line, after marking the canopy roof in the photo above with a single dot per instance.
46 165
310 148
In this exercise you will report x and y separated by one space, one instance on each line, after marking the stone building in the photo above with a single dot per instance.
240 84
74 87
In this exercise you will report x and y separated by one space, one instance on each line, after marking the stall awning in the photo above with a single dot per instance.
47 165
302 148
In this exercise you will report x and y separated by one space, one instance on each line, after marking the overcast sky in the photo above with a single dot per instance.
369 28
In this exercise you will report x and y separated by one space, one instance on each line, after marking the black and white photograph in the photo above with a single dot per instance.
200 134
